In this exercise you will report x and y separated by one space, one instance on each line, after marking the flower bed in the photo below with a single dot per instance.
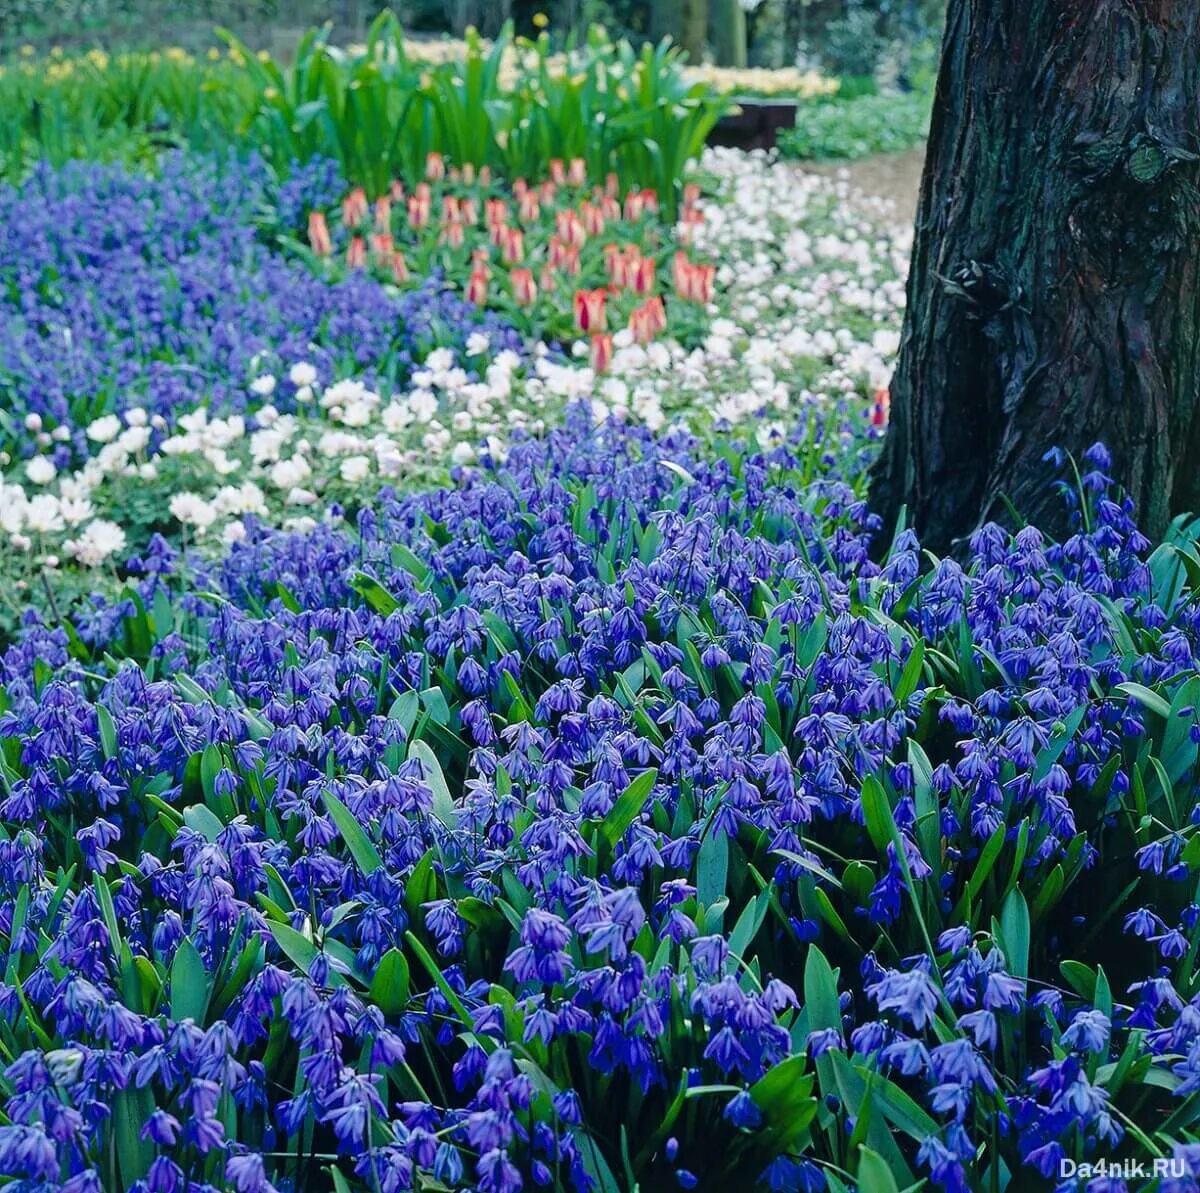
217 368
611 813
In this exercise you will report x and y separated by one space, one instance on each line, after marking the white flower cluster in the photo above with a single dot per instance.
808 303
59 512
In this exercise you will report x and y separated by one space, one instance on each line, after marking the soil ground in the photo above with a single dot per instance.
893 176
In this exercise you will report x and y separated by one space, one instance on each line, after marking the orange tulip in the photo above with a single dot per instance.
641 275
356 253
318 234
512 247
420 206
354 207
881 407
602 352
495 211
435 166
590 312
577 172
569 228
477 286
593 218
524 288
528 207
648 320
399 268
383 214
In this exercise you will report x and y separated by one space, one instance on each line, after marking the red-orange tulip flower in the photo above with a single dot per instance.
590 312
602 352
318 234
524 288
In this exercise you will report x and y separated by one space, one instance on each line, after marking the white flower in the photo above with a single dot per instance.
233 532
463 453
61 433
43 514
266 415
264 386
40 470
192 510
287 474
75 510
396 416
135 439
477 343
388 458
302 374
105 430
99 540
135 416
355 469
33 421
423 405
301 497
439 360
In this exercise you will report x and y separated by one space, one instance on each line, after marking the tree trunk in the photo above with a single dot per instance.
1053 297
729 33
666 20
693 33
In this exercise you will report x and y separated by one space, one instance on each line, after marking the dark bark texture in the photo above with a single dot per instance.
1053 298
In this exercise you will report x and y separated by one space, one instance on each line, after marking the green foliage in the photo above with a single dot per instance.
508 105
380 114
845 129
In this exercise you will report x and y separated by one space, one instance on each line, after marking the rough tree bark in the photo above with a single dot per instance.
1053 298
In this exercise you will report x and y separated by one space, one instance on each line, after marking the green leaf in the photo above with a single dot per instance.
362 848
1145 697
189 984
443 805
874 1176
389 987
712 868
910 677
628 807
1014 933
108 731
300 950
405 709
784 1095
374 593
877 813
131 1107
204 821
108 912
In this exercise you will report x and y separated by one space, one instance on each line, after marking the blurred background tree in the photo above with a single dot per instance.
863 41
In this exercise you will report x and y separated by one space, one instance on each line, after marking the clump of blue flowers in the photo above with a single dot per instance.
169 292
614 817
